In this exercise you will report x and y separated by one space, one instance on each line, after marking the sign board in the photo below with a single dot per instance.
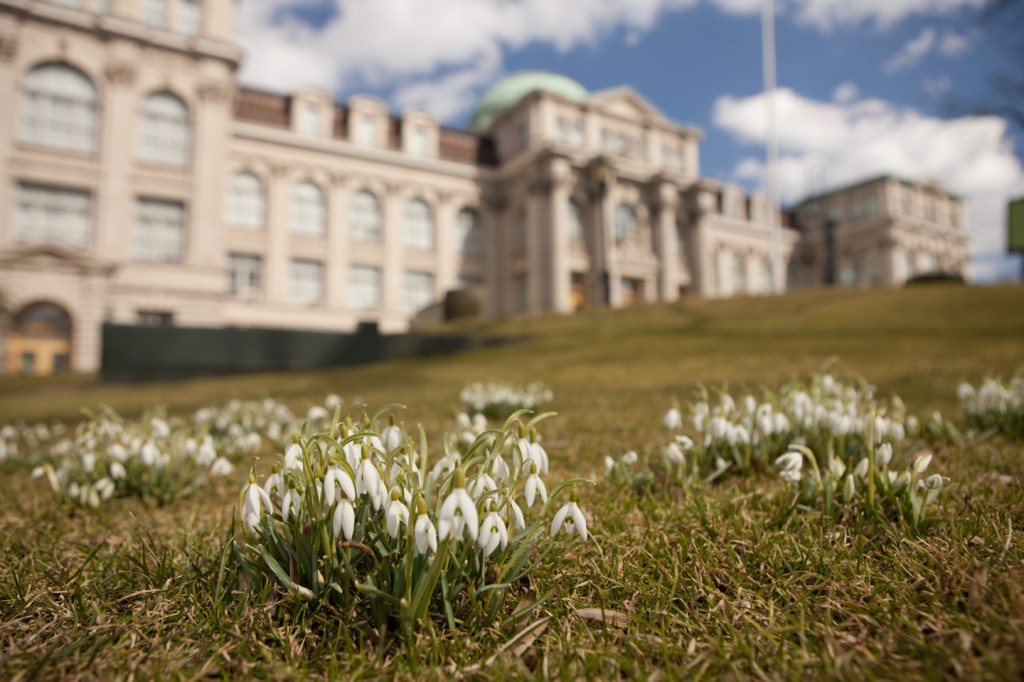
1015 226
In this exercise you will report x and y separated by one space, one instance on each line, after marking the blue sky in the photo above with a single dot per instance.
865 85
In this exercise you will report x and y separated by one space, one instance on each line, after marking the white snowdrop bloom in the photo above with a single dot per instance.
609 463
936 481
458 512
368 479
900 481
391 437
333 401
117 471
922 462
105 488
739 435
673 419
630 457
334 478
396 515
293 457
207 453
88 461
344 521
149 455
837 468
790 466
275 484
290 504
444 465
251 442
462 422
500 468
720 464
964 392
828 383
273 432
316 414
674 453
518 520
425 534
913 425
765 424
749 404
883 455
191 446
161 429
493 533
780 422
849 489
222 467
718 428
254 500
482 485
73 490
534 486
861 470
896 431
479 422
727 403
881 428
570 517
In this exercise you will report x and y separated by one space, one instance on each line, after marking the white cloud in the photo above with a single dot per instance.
845 92
827 15
452 93
938 85
912 52
377 43
954 44
826 144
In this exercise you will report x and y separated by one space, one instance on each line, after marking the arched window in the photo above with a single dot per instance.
40 340
246 203
59 109
469 235
364 223
419 225
165 130
626 223
575 222
309 215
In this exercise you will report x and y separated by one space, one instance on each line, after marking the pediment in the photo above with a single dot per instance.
628 103
53 257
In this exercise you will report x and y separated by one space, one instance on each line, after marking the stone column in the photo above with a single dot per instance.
210 133
668 245
115 205
557 242
496 254
536 223
276 256
394 248
339 207
446 277
9 127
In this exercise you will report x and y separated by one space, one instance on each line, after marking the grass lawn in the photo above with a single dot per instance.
710 583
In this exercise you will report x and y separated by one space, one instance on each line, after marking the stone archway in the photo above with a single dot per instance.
39 340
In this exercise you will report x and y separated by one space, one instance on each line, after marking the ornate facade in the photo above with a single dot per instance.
140 184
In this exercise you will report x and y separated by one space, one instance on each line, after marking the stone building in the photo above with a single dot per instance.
140 185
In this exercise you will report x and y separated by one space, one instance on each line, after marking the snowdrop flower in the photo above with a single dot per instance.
368 478
482 485
391 436
117 451
964 392
493 533
334 478
935 481
883 455
275 483
458 512
207 454
222 467
790 465
396 514
290 504
424 533
533 486
293 457
161 429
862 469
316 414
720 464
149 455
922 462
673 418
117 471
333 401
518 520
609 463
254 500
570 517
88 461
344 520
105 488
849 489
674 453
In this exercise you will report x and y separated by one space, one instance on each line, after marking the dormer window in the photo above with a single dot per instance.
366 131
418 138
309 119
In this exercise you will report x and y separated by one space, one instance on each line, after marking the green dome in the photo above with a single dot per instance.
507 92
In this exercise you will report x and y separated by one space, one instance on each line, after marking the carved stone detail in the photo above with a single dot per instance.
214 93
120 73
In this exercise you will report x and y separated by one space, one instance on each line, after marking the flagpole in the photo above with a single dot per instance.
771 141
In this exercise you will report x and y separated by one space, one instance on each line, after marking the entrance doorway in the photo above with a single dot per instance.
39 342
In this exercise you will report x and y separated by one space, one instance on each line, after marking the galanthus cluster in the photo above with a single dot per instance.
497 401
358 514
154 458
748 432
874 483
995 404
245 425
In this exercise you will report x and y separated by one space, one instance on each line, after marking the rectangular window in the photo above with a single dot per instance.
53 214
190 17
309 120
366 131
364 287
154 318
418 141
159 230
244 275
155 13
418 291
306 282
